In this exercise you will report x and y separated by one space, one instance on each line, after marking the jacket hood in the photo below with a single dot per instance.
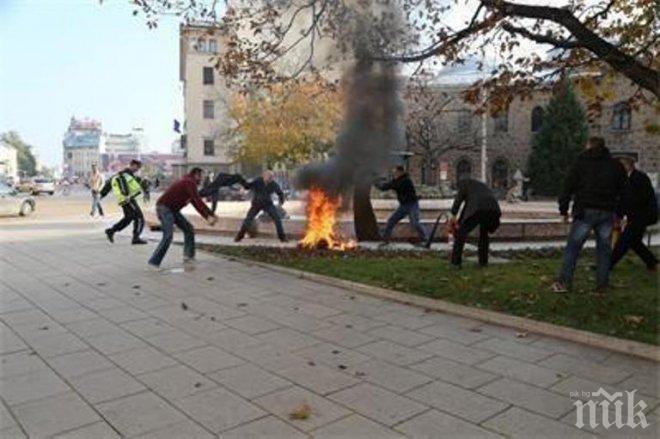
595 153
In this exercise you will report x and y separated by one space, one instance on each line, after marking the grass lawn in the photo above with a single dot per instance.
520 287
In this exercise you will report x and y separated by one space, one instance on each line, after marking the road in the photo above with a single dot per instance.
96 346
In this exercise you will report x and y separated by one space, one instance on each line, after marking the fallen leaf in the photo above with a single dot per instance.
300 413
633 319
44 328
342 367
475 329
136 287
184 306
198 385
210 278
240 305
311 363
335 351
521 335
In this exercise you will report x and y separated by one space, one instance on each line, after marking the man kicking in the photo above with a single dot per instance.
168 208
263 189
127 187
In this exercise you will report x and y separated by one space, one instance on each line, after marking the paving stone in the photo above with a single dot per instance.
456 351
318 378
90 328
394 353
532 398
577 350
284 402
218 409
354 321
454 333
30 387
103 303
6 419
208 359
333 355
79 363
175 341
182 430
98 430
434 424
401 336
9 343
395 378
20 363
519 423
585 369
269 427
114 342
141 413
105 385
454 372
252 325
465 404
72 315
141 360
289 339
123 314
355 426
581 389
647 383
176 382
513 349
249 381
12 433
521 371
406 320
27 317
270 357
52 415
230 339
342 336
57 344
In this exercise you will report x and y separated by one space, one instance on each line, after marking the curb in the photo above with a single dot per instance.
614 344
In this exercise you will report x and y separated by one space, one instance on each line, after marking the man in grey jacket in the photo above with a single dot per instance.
480 209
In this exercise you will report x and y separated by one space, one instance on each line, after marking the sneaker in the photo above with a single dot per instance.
559 287
138 241
238 238
110 234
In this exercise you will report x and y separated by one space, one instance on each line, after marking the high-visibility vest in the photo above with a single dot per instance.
134 188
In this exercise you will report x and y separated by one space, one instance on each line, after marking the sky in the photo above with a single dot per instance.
63 58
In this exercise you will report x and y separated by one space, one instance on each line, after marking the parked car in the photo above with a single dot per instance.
43 186
14 203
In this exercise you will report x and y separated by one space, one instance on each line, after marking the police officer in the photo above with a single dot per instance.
126 187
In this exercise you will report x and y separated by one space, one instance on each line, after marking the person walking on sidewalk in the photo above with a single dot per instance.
594 184
639 206
168 208
95 185
403 185
480 209
127 187
211 188
263 189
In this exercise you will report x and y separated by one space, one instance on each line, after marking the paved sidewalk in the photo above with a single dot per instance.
93 346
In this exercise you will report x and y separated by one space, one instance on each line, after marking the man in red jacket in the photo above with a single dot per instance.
168 208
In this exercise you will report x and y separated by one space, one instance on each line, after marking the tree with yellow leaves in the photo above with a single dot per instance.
286 123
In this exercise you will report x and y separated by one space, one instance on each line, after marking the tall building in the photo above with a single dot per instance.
129 143
81 147
206 99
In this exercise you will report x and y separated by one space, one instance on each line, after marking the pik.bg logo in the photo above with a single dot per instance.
603 408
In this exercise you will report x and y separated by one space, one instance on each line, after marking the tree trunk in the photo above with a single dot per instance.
364 218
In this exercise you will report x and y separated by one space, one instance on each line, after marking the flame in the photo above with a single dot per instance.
321 222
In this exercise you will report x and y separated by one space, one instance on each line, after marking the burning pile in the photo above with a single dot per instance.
321 230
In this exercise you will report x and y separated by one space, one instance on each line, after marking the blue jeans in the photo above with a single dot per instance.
600 221
167 220
410 210
96 203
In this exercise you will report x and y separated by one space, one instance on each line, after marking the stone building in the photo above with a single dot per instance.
509 136
81 146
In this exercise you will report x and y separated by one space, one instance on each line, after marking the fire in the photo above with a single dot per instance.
321 220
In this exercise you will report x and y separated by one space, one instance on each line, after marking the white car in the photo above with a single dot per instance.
43 186
14 203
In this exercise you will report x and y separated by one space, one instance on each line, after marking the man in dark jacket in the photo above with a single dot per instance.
211 188
168 208
127 187
639 206
594 183
263 189
403 185
481 209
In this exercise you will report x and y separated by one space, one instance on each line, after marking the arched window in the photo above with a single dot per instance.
621 116
537 118
463 169
500 174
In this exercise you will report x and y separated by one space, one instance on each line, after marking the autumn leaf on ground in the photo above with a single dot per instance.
184 306
633 320
521 335
300 413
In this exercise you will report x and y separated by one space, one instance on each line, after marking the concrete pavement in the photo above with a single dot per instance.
94 345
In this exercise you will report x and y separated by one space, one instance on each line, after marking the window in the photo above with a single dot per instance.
537 119
501 121
213 46
209 147
201 45
621 117
208 76
464 122
208 110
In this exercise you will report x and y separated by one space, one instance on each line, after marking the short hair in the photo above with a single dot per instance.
196 170
597 142
400 168
136 163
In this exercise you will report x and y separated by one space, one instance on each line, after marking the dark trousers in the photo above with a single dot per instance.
601 222
410 210
132 213
254 211
167 220
214 201
633 238
488 222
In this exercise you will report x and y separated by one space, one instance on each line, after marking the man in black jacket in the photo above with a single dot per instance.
594 183
481 209
263 189
408 204
640 208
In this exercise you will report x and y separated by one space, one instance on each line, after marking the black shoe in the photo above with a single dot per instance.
138 241
110 234
238 238
284 240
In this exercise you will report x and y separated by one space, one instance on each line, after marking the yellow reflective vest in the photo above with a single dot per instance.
133 187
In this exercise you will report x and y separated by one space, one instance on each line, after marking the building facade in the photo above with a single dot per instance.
508 137
8 162
206 100
81 146
130 143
